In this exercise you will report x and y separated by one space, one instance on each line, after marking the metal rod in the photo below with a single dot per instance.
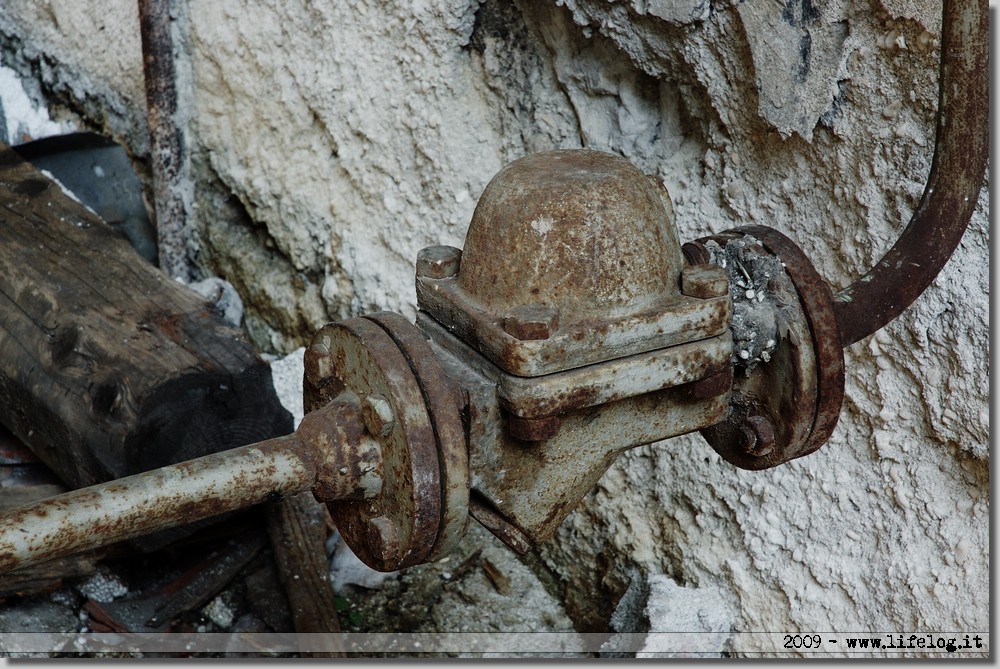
165 136
956 177
142 503
328 453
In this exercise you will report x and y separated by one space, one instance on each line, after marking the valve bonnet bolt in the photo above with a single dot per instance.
438 262
704 281
531 321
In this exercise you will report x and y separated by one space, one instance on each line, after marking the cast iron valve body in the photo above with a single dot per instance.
572 330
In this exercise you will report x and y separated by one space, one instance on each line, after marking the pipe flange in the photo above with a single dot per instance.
817 301
443 401
786 404
404 524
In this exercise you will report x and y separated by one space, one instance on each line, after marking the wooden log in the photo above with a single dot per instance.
298 527
107 366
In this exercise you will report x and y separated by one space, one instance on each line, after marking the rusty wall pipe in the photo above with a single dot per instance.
949 198
165 136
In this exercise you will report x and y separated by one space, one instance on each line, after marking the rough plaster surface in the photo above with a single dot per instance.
86 56
331 143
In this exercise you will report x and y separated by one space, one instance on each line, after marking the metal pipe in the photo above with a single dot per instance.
956 177
165 136
320 455
139 504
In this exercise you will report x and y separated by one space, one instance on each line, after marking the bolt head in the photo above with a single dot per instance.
383 540
704 281
377 415
438 262
531 322
758 436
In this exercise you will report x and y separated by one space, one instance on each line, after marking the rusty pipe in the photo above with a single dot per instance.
165 136
949 198
327 454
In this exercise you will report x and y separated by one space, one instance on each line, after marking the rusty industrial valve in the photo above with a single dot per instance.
571 327
567 331
575 330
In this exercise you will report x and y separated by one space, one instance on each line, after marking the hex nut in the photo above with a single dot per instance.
532 322
376 412
758 436
438 262
382 537
704 281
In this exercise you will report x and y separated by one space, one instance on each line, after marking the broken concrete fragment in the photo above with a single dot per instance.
674 11
796 54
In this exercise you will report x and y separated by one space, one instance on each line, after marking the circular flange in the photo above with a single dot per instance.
399 527
443 403
787 407
817 301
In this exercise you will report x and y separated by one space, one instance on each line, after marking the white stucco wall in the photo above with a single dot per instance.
331 141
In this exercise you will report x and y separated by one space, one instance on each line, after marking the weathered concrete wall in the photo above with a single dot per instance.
331 141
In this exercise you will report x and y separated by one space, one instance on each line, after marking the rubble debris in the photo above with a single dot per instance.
154 609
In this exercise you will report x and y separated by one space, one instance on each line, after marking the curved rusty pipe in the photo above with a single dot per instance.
956 177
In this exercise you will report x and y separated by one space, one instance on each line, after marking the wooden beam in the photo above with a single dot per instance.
107 366
298 526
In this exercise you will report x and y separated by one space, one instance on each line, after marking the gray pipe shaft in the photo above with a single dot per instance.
323 454
130 507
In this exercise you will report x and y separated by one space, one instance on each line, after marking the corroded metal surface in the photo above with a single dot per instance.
956 177
817 301
528 474
575 332
348 460
615 379
704 281
586 231
444 404
399 527
438 262
208 486
570 344
786 403
535 486
571 259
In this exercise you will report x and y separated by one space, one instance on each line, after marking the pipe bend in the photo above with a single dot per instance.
956 177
